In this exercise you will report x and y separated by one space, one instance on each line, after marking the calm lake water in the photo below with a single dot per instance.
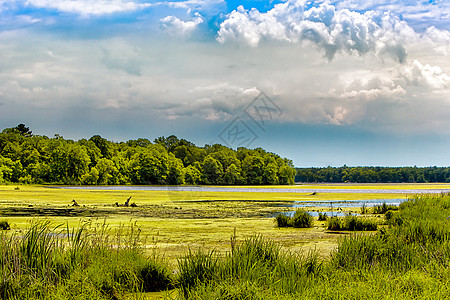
256 190
333 206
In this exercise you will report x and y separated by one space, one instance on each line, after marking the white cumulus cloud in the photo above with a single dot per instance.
176 27
425 75
331 29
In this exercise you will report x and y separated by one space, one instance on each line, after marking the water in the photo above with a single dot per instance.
347 203
255 190
336 205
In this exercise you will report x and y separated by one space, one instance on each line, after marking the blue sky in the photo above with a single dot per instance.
321 82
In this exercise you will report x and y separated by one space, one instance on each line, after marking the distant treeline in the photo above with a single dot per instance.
373 174
28 158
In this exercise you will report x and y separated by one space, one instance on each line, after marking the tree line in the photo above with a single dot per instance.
373 174
28 158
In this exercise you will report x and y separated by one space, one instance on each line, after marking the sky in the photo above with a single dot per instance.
324 83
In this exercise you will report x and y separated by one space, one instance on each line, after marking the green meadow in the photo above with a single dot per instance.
220 245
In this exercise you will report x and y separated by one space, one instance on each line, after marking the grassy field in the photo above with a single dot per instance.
174 223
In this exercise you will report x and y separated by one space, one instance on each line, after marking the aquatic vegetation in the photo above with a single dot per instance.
301 219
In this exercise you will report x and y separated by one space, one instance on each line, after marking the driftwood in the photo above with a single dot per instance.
127 203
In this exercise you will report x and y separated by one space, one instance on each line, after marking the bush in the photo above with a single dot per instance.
323 217
154 277
384 208
4 225
301 219
334 223
351 223
283 221
364 209
354 223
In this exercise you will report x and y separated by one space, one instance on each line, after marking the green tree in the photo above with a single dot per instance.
106 148
192 175
271 174
232 175
212 171
176 170
253 169
90 178
286 175
23 130
106 171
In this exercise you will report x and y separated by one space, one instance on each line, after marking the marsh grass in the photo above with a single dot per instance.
4 225
322 217
301 219
53 262
407 260
383 208
351 223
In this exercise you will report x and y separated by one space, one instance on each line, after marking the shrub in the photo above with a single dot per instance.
383 208
283 221
323 217
389 215
354 223
351 223
364 209
154 277
302 219
334 223
4 225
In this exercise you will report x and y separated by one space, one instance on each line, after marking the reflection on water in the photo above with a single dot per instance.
316 213
348 203
334 206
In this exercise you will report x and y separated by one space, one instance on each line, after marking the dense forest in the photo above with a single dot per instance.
373 174
28 158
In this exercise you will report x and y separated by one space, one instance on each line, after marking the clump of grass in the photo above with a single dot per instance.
364 209
255 265
153 277
322 217
52 262
283 220
351 223
393 218
195 269
334 223
257 249
383 208
354 223
301 219
4 225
